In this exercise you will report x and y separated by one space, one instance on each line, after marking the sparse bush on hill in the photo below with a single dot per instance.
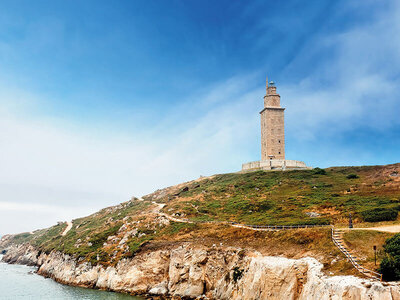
379 214
98 239
135 244
263 206
390 264
352 176
319 171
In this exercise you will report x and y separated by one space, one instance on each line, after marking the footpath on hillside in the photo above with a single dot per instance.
68 228
383 228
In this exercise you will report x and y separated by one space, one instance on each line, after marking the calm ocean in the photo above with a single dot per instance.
19 282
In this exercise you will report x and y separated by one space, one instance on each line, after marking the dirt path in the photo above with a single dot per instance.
175 219
251 228
158 207
384 228
69 226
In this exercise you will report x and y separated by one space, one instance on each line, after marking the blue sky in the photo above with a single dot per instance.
101 100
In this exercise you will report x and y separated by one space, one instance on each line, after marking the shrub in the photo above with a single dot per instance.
203 210
135 245
390 264
263 205
319 171
98 239
379 214
352 176
390 268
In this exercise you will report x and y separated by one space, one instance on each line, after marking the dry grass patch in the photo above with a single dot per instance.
361 243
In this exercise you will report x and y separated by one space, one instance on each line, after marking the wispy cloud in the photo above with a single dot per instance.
47 163
356 87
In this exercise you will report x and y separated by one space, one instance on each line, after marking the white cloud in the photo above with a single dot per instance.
45 162
360 80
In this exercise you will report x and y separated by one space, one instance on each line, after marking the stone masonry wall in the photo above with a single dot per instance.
272 127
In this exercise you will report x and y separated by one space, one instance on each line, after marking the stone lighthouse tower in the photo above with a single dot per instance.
272 125
273 136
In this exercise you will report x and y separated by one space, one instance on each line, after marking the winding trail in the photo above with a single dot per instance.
159 206
69 226
251 228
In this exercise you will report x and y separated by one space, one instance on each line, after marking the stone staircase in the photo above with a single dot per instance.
337 238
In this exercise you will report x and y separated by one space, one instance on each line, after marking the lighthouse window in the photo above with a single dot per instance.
279 141
279 152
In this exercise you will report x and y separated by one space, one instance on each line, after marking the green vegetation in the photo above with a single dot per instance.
318 196
352 176
176 227
96 238
380 214
319 171
390 264
88 234
135 244
362 243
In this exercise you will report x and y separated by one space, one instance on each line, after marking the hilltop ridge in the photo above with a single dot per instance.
318 196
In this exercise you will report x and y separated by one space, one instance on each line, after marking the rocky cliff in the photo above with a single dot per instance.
189 271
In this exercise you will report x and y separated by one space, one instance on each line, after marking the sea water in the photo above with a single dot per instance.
21 282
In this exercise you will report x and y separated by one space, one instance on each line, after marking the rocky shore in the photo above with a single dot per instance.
189 272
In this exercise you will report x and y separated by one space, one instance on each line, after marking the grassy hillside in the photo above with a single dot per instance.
362 241
293 197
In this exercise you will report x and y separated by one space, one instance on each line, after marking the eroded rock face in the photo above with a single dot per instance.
21 254
214 273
